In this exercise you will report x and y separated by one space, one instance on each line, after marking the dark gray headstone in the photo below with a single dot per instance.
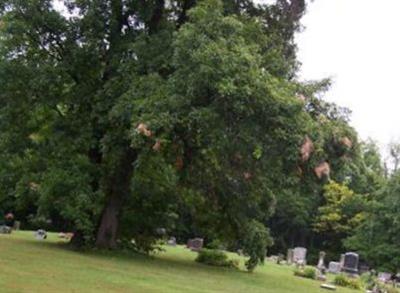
350 264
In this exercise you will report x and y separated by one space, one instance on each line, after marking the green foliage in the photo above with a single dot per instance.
217 258
308 273
368 280
255 243
216 244
344 281
388 288
228 99
377 237
342 211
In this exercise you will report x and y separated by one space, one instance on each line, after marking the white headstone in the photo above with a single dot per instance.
384 277
40 234
328 287
321 262
334 267
172 241
299 255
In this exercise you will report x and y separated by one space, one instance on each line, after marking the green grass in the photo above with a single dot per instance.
28 265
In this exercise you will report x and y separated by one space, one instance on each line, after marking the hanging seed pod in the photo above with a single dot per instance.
306 149
322 170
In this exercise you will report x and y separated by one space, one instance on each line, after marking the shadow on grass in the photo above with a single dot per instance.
127 257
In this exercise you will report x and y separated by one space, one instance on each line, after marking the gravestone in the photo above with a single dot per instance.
195 244
161 231
363 268
280 258
171 241
350 264
328 287
396 279
384 277
289 256
341 262
5 229
273 258
321 262
321 276
299 255
334 267
17 225
66 236
40 234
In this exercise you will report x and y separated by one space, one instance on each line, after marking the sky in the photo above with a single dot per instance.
357 44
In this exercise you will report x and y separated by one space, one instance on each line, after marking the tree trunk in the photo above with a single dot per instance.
78 240
118 188
107 232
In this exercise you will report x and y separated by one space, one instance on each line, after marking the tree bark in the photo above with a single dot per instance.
186 5
117 190
158 11
107 232
78 240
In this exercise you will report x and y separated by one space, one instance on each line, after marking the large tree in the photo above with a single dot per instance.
118 113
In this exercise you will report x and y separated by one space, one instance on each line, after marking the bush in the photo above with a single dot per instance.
255 243
344 281
309 273
216 258
369 280
216 245
389 289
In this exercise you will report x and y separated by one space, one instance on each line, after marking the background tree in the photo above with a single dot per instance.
377 237
341 213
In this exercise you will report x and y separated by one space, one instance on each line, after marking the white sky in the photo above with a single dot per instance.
356 42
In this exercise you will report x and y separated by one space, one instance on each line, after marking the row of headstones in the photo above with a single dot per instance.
194 244
348 262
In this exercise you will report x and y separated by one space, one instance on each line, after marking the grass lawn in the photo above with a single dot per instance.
28 265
